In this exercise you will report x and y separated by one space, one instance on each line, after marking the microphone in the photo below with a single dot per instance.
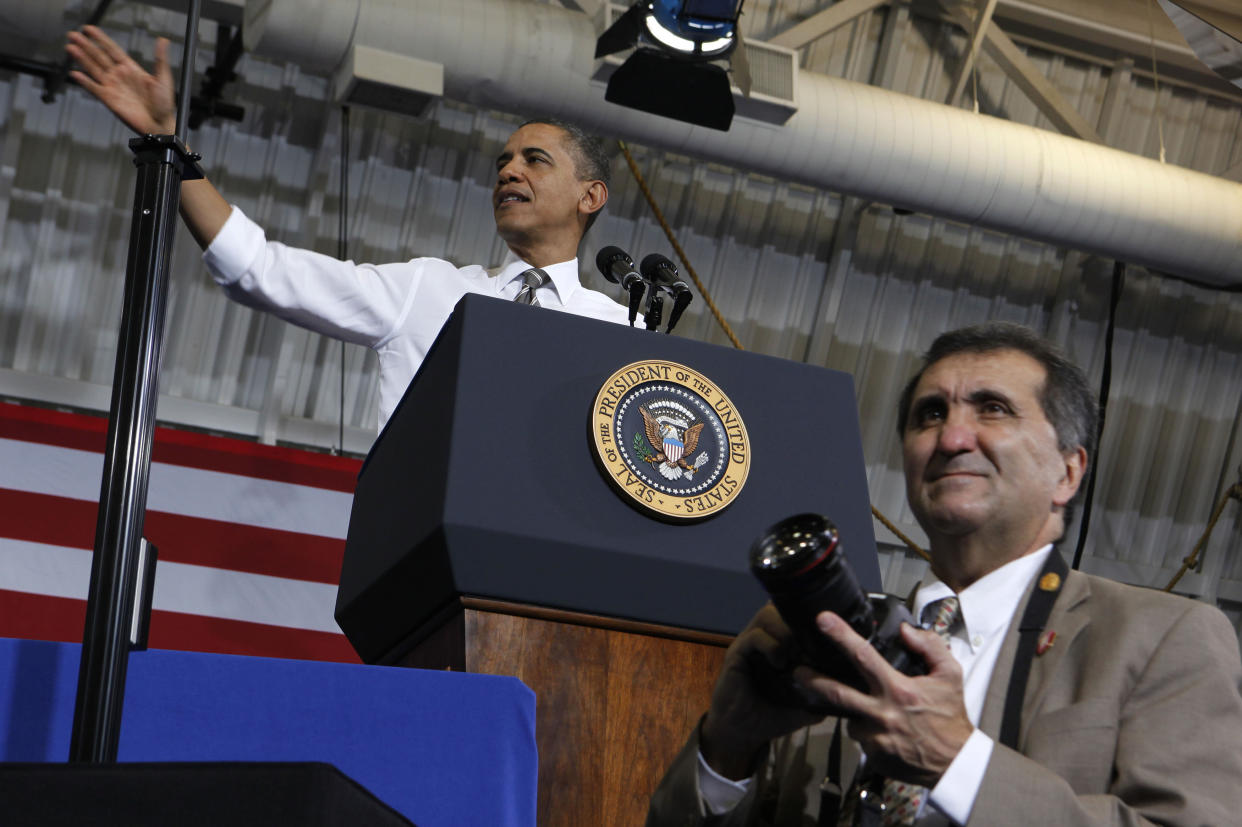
680 302
658 270
617 266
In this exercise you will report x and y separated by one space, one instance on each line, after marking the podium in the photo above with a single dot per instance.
486 537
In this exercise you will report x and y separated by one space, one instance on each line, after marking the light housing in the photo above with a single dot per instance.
672 72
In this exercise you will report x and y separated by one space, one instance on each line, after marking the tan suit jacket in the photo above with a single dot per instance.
1133 716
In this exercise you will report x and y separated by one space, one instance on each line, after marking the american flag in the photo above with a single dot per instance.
250 537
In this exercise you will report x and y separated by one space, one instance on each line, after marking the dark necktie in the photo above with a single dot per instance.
532 280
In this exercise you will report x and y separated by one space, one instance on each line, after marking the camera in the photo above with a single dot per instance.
801 564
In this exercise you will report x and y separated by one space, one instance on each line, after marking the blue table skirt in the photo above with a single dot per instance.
442 748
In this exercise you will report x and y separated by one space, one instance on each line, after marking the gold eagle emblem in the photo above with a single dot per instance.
671 448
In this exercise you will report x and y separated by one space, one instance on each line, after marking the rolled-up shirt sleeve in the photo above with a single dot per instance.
360 303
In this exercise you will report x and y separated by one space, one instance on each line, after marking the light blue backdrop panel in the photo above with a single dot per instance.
442 748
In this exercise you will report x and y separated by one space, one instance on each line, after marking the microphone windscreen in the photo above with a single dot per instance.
653 264
605 259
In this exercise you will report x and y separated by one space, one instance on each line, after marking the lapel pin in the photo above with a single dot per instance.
1045 641
1050 582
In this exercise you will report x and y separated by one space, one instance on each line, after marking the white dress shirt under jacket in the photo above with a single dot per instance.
987 608
395 309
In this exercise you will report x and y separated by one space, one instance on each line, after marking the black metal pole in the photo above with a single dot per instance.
163 163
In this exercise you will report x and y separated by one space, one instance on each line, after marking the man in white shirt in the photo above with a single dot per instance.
551 183
1131 712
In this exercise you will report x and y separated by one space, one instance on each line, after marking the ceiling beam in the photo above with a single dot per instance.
895 25
589 7
1027 77
982 22
1216 14
1100 32
823 22
1120 81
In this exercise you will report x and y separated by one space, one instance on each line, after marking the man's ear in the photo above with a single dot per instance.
1075 470
594 197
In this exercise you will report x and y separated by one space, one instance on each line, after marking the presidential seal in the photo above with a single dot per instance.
669 439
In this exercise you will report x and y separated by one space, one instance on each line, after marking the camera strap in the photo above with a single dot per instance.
1034 619
861 805
830 793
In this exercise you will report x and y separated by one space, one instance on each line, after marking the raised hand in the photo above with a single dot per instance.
144 102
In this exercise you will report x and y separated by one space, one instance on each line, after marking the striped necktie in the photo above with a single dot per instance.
532 280
903 801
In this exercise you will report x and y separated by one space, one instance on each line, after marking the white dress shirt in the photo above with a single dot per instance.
987 608
395 309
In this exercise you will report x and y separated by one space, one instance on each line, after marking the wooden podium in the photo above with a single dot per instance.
484 537
615 699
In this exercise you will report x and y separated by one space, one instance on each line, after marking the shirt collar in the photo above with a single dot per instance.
988 603
563 277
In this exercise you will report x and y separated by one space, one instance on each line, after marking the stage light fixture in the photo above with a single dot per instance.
675 70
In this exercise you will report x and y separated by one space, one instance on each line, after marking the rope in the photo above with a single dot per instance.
1155 73
681 254
875 512
1234 492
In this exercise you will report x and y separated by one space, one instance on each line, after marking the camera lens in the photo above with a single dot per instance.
800 563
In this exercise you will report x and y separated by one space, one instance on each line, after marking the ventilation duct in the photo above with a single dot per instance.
382 80
529 59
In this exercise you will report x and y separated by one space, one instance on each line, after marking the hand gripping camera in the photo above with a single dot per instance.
800 563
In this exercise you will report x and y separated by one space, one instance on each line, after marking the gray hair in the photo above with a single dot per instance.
1066 397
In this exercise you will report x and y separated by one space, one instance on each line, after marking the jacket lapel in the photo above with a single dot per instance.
1067 621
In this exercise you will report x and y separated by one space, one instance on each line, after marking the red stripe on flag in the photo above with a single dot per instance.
60 521
39 617
85 433
42 518
187 448
194 633
245 548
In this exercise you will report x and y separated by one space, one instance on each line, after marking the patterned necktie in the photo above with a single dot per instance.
532 280
903 801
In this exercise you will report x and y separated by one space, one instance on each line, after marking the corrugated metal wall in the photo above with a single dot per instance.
802 274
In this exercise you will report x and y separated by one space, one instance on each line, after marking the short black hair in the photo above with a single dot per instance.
1066 397
591 160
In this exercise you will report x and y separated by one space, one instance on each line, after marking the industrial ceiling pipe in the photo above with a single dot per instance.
846 137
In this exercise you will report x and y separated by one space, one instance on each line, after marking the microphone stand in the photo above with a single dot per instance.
655 307
636 298
163 163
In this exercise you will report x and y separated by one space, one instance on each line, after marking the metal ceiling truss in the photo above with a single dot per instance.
1044 26
979 29
983 31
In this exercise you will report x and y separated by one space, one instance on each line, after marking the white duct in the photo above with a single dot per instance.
530 58
26 26
846 137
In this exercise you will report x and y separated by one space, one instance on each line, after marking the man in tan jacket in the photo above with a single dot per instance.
1131 713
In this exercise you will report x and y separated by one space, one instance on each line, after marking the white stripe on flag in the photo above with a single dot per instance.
176 489
38 568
